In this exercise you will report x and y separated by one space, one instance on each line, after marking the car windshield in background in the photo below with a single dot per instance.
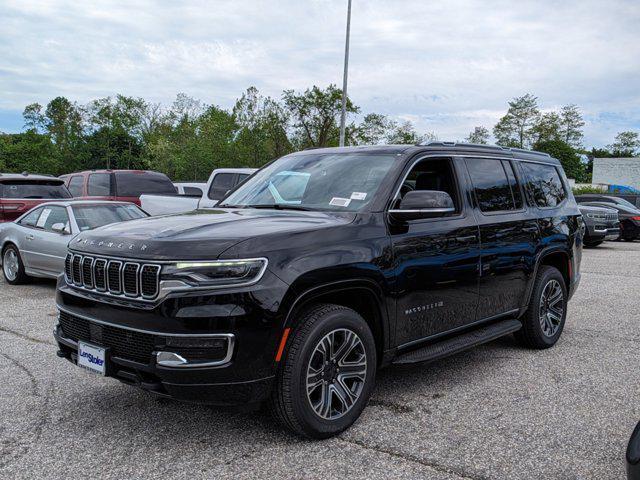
130 184
35 190
315 182
89 217
626 203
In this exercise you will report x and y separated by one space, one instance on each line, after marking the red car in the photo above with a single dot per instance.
21 192
118 185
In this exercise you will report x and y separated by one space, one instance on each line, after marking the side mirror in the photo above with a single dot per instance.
423 204
60 228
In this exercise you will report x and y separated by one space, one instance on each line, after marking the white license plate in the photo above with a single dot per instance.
92 358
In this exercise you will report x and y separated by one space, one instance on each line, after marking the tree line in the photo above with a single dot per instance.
188 139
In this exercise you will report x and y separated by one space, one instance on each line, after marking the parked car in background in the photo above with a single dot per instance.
600 224
629 219
596 197
191 189
19 193
221 181
35 245
321 268
118 185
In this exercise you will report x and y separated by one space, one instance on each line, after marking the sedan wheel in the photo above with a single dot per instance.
12 266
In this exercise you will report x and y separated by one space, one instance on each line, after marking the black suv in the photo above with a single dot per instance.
321 268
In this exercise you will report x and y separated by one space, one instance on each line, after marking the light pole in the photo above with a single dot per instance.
343 116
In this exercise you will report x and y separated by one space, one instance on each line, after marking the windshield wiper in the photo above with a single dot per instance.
280 206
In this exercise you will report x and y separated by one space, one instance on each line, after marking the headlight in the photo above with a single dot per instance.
598 216
216 273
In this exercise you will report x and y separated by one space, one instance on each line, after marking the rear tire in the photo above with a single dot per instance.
12 266
544 320
327 374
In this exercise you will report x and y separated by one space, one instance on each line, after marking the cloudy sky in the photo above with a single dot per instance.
446 65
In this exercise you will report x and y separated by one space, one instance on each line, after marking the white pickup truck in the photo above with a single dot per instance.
220 182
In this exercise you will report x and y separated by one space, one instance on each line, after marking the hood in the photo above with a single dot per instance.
202 234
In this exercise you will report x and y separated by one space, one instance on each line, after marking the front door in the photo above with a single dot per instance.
509 236
49 247
436 260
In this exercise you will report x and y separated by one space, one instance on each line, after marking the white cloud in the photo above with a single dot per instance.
448 65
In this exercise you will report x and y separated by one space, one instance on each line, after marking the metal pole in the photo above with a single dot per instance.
343 116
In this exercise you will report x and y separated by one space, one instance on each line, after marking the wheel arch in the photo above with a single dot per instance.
361 295
556 257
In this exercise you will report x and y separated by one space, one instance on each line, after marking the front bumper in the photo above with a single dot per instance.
235 365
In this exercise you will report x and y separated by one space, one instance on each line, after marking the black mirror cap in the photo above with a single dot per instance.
423 204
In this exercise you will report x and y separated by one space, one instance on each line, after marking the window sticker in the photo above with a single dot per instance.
358 195
43 218
340 202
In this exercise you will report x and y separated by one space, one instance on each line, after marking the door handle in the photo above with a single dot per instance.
30 237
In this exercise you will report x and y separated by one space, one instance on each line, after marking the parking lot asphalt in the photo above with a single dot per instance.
495 412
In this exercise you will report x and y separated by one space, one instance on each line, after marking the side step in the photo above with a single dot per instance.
461 342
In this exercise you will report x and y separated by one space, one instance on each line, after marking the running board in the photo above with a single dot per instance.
461 342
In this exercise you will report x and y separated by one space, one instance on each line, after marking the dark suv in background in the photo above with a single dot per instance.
19 193
118 185
296 295
600 224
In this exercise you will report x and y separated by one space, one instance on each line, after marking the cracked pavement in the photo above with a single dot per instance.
495 412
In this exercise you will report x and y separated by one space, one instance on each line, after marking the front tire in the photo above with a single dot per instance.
544 320
327 373
12 266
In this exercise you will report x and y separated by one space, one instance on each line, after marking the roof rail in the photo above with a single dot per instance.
462 144
530 152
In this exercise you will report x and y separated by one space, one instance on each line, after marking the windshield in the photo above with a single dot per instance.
30 189
89 217
623 202
343 182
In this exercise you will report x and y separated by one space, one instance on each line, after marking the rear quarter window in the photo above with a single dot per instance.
544 183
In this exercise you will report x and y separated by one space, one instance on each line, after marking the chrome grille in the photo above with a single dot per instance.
87 272
130 279
113 277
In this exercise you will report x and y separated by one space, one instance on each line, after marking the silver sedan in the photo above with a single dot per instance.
35 245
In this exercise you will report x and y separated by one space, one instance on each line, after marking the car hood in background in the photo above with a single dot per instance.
202 234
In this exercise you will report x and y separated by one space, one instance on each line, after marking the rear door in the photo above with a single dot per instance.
436 260
509 236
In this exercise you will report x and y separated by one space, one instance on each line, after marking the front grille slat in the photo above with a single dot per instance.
130 279
114 277
87 272
118 278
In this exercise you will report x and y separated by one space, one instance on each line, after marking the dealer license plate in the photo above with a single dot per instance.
92 358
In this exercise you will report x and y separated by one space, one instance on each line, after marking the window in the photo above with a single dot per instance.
134 184
432 174
192 191
493 188
27 189
31 218
89 217
221 184
544 184
52 215
75 186
99 185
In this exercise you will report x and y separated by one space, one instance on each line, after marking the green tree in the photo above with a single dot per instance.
569 158
479 135
546 128
626 144
515 128
571 124
315 114
373 130
29 152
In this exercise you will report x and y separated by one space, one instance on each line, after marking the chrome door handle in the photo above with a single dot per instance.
30 237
